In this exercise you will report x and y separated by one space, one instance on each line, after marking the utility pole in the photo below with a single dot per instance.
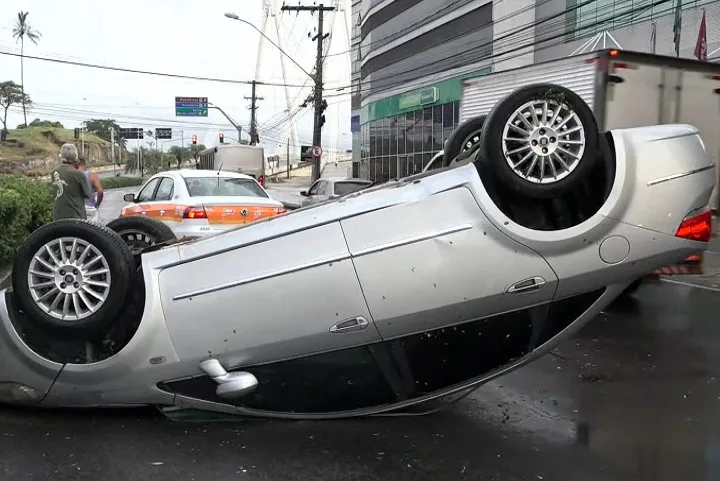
287 159
320 104
112 145
253 116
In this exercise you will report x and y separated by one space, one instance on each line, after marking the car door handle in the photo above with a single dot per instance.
353 324
526 285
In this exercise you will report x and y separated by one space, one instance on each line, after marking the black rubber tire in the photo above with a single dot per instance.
153 231
491 141
632 288
120 262
467 132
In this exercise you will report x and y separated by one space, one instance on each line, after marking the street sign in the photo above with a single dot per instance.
305 154
191 106
132 133
317 151
163 134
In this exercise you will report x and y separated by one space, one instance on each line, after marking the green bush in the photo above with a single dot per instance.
119 182
25 205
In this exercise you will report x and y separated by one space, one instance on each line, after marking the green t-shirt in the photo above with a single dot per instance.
71 190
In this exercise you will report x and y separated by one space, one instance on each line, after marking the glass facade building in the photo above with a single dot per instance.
411 56
589 18
401 145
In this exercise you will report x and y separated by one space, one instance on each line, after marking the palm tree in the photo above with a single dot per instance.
22 31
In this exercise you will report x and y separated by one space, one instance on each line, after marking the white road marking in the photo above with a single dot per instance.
688 284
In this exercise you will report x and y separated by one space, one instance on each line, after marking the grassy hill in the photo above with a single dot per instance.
36 149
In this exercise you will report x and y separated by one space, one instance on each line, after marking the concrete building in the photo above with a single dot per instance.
410 58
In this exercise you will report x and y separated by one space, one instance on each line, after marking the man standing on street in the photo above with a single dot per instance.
93 203
71 188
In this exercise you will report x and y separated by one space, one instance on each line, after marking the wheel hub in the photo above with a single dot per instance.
543 141
69 279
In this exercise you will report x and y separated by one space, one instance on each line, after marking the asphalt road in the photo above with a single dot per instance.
636 396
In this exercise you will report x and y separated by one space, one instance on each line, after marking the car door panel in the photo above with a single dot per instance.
320 194
163 207
312 191
440 262
144 199
284 306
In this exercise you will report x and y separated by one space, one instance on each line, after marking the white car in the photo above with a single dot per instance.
195 203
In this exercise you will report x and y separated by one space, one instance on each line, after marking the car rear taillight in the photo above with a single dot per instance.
282 210
261 180
696 226
194 213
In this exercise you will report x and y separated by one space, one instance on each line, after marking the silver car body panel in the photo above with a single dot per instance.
408 256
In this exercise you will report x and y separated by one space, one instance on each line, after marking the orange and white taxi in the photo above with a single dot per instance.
202 202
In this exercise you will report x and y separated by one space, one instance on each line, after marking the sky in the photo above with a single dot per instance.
186 37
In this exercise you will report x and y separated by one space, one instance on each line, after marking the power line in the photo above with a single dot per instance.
144 72
299 108
72 114
470 56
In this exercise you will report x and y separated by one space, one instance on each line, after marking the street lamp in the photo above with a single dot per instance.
233 16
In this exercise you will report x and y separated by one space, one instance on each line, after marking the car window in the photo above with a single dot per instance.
224 186
165 191
146 194
350 186
314 189
323 188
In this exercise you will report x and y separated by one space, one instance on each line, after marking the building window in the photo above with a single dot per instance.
401 145
588 19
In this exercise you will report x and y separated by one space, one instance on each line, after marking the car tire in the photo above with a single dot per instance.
98 268
541 160
140 232
463 139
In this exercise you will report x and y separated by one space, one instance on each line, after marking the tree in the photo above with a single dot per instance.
152 161
103 127
180 154
11 94
21 31
42 123
183 154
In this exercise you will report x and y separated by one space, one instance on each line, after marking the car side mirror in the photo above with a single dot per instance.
130 197
303 193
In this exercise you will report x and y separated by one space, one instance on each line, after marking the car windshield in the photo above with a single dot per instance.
344 188
224 186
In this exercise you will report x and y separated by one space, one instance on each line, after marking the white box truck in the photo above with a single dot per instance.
239 158
624 89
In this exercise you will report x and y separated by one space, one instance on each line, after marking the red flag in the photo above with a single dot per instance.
701 44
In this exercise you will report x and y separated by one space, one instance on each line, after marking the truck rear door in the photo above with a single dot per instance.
647 90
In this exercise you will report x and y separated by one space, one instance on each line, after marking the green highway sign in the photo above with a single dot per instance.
191 106
191 112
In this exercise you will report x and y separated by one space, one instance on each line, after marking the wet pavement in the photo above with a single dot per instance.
636 396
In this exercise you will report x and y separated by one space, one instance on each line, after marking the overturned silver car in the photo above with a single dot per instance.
411 293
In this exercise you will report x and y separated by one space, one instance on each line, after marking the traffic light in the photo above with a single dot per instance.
222 138
323 106
194 139
77 133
